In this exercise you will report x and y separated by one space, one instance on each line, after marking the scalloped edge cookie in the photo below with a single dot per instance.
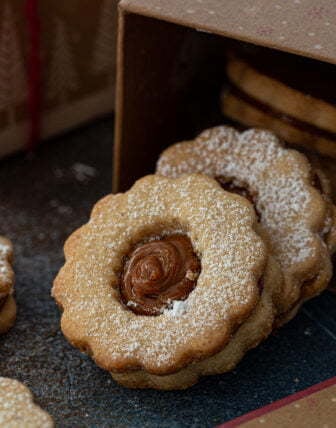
17 407
282 180
226 302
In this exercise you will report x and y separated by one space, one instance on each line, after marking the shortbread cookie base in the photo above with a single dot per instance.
255 329
284 182
17 408
233 258
280 96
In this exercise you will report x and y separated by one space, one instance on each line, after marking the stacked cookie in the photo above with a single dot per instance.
180 276
293 98
290 197
17 408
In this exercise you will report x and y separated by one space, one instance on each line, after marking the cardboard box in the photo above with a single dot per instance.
310 408
171 65
74 42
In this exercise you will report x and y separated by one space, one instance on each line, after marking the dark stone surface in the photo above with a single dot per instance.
43 199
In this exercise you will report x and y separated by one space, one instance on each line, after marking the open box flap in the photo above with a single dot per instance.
171 65
303 27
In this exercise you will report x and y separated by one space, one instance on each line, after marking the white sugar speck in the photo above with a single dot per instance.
177 308
131 304
83 172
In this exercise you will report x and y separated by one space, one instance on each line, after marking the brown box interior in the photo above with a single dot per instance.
168 88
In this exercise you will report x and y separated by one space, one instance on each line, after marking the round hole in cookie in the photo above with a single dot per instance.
232 185
158 271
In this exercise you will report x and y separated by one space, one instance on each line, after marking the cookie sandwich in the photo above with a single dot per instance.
298 218
294 99
168 282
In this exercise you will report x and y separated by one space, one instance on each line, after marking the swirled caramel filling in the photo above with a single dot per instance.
157 272
231 185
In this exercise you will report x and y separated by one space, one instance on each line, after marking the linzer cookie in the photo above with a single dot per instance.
7 302
297 218
295 99
17 409
168 282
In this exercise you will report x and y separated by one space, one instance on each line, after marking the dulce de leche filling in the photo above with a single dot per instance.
157 272
230 185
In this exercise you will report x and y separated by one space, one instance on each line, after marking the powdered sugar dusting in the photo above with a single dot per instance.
177 308
232 255
256 157
17 409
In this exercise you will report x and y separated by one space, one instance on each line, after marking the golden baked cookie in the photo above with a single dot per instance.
296 217
17 409
258 99
167 282
7 302
327 168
